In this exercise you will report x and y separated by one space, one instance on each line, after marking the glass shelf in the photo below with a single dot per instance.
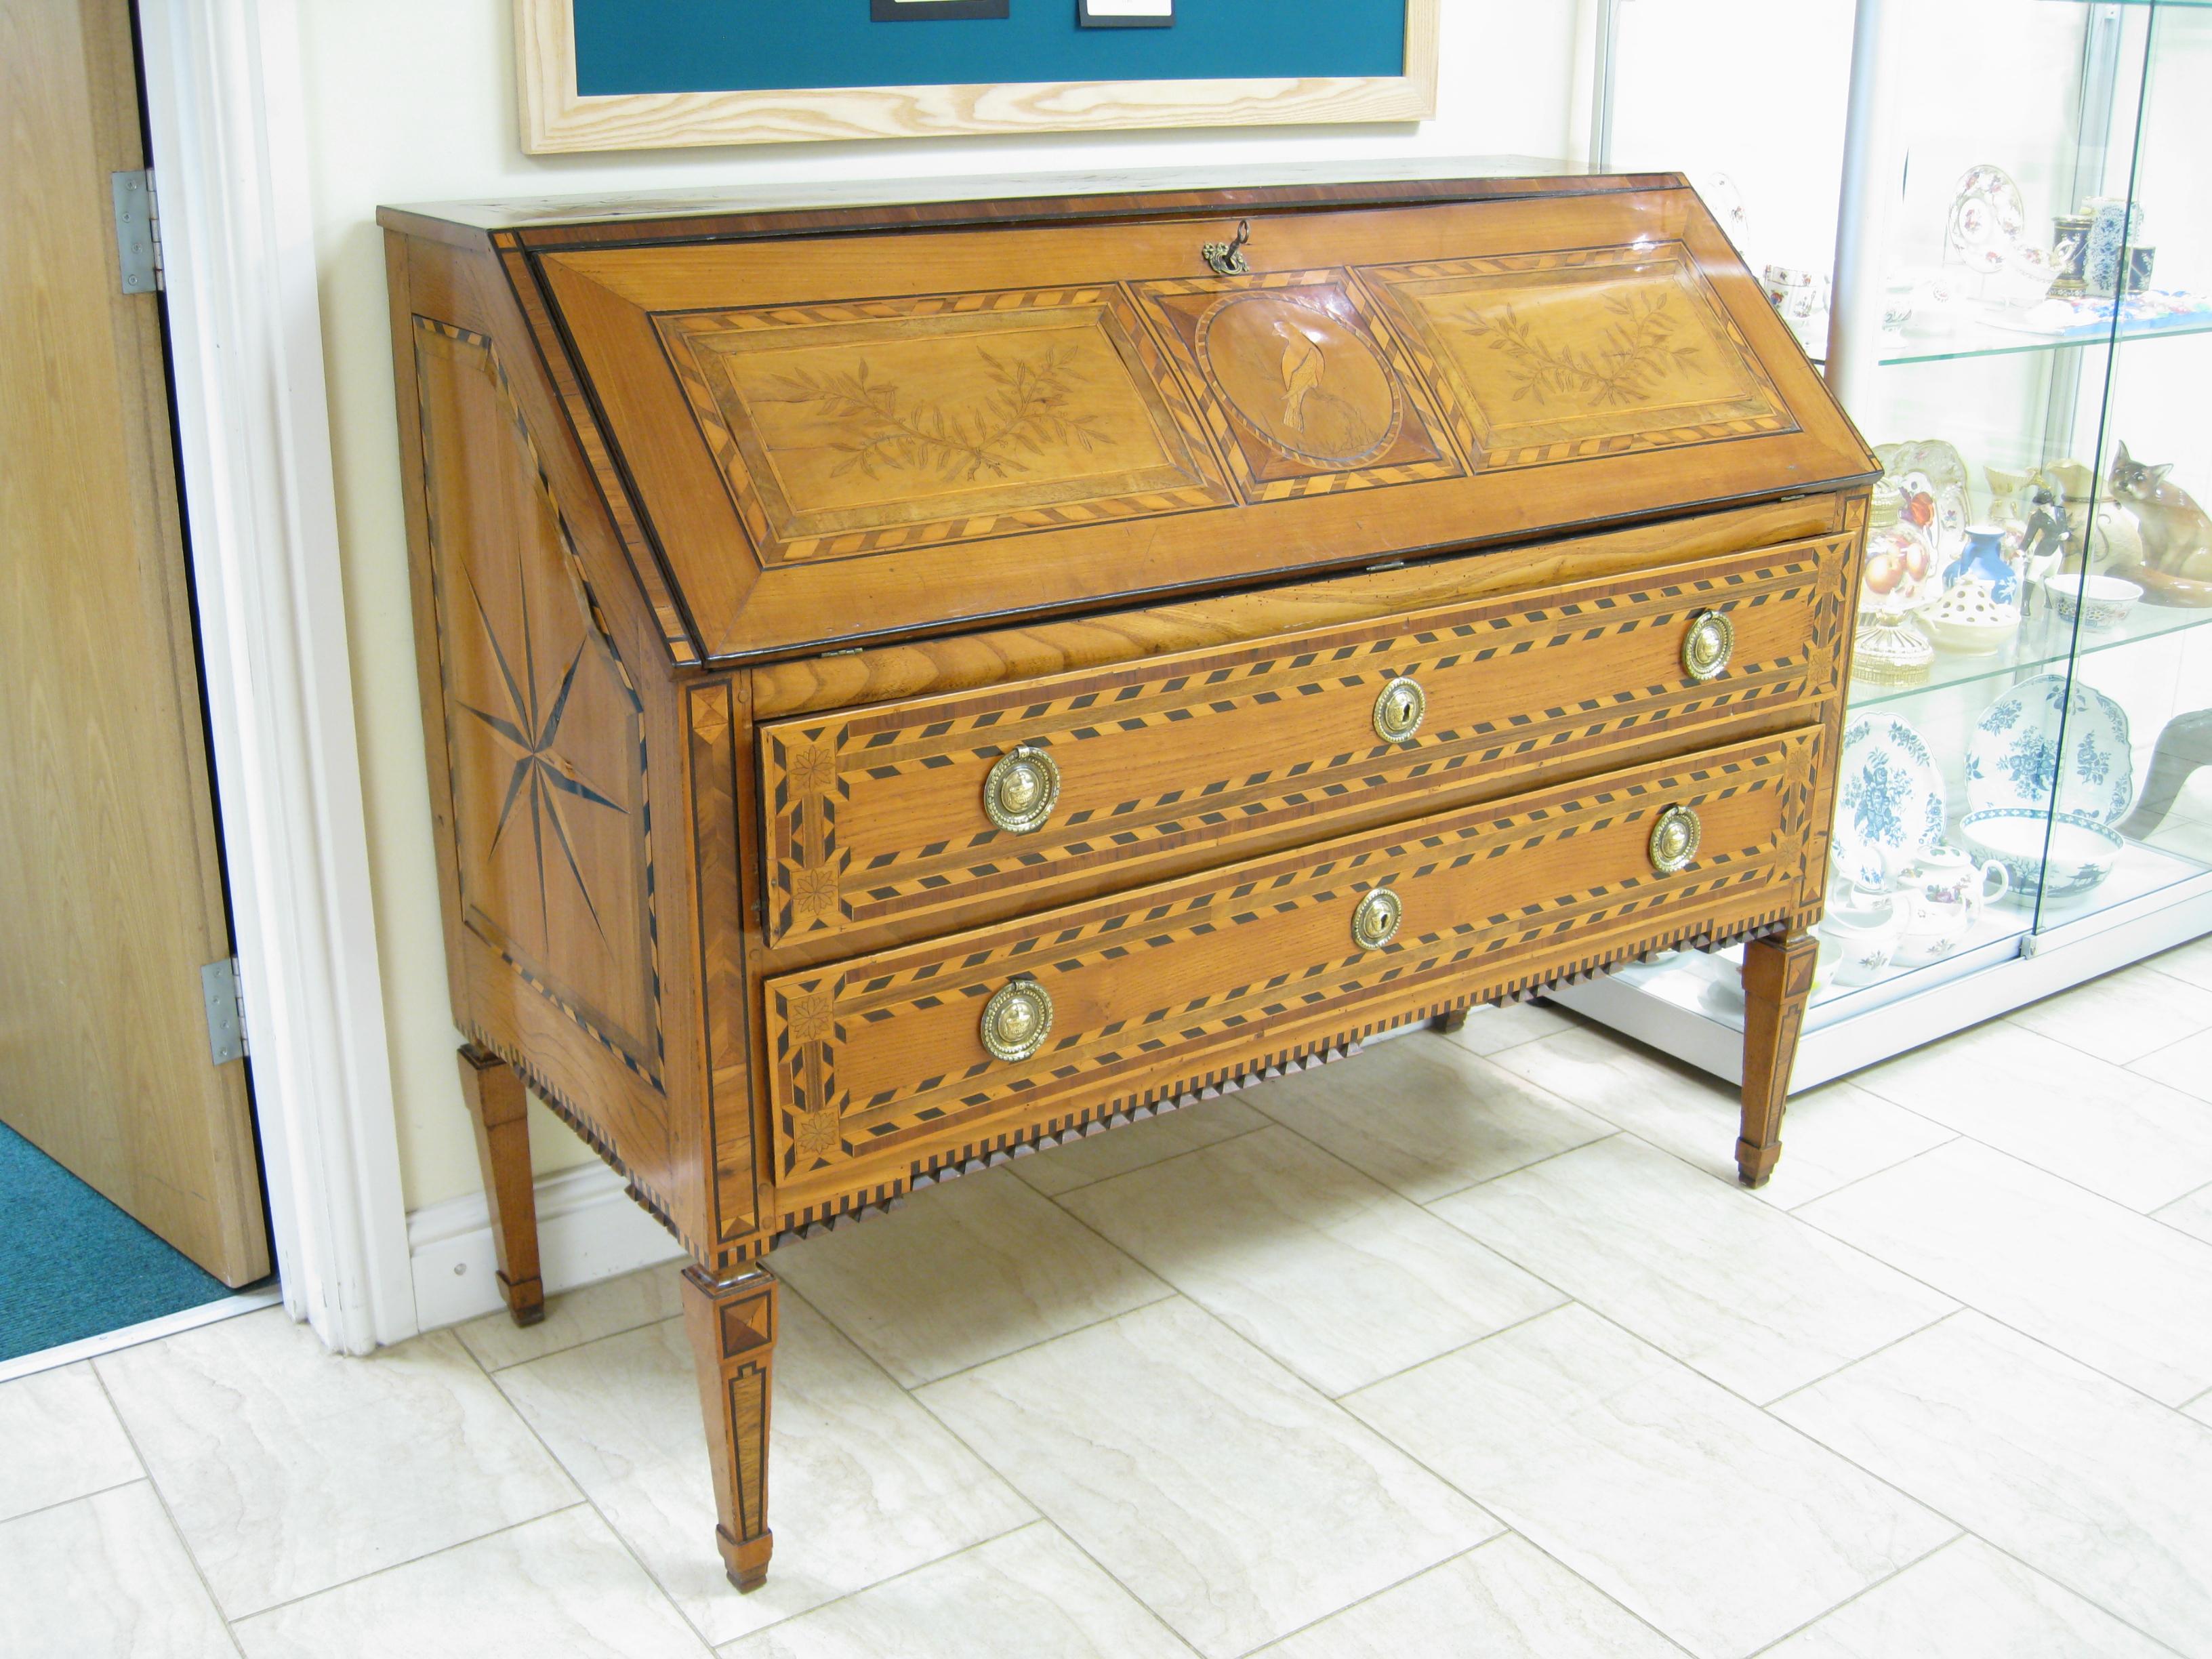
2045 641
1970 336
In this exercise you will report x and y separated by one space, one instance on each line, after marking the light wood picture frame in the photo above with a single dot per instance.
556 118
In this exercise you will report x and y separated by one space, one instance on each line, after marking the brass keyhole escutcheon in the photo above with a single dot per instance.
1706 646
1016 1019
1375 921
1675 840
1398 708
1022 789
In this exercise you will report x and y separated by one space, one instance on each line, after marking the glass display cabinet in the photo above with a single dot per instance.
2022 327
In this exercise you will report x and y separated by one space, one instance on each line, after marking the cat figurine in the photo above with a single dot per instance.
2177 533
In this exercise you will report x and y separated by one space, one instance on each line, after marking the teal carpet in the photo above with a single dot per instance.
73 1266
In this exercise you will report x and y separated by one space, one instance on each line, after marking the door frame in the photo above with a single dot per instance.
228 135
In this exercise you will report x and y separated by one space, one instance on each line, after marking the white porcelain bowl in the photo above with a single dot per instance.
2103 601
2081 851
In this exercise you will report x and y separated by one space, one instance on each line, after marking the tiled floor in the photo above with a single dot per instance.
1467 1345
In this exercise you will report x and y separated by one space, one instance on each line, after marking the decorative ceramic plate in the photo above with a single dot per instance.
1988 216
2013 758
1889 799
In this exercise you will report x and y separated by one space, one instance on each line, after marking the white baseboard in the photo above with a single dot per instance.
588 1229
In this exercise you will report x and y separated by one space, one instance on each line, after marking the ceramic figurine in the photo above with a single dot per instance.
2177 533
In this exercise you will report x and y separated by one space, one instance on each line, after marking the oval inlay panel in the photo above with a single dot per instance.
1300 379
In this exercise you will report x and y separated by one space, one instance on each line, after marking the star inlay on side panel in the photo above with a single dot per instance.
542 725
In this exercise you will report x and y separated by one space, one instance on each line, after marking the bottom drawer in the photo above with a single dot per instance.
888 1061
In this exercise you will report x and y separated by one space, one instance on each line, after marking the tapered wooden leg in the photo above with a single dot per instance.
732 1326
1777 980
500 1110
1453 1021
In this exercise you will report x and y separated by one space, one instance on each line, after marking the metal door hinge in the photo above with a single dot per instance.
137 230
226 1010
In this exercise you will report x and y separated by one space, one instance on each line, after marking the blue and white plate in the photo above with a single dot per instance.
2013 758
1889 799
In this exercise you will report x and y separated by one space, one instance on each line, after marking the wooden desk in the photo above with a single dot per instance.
905 683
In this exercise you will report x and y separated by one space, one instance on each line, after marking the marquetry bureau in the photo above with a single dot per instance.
907 684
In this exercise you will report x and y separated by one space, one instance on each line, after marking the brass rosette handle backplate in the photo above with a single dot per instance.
1398 708
1375 919
1707 646
1021 790
1675 840
1016 1019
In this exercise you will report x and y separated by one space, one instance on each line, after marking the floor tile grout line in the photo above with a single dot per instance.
1965 1306
1598 1589
594 1502
1504 1532
1957 1305
1351 1417
77 1498
1865 1590
162 1500
1267 1122
411 1561
2057 1174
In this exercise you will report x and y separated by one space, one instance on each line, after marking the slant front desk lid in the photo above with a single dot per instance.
828 425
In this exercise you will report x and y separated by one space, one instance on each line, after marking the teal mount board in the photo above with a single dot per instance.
755 46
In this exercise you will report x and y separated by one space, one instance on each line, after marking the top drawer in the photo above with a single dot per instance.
888 813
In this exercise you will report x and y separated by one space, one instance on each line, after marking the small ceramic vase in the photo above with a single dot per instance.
1984 557
2114 224
1946 895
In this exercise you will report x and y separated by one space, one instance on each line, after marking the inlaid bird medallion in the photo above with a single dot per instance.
1302 392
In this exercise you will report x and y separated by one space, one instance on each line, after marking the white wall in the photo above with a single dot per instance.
413 100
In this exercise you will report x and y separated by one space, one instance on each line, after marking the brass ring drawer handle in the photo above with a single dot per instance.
1374 920
1706 646
1675 840
1022 789
1398 708
1016 1019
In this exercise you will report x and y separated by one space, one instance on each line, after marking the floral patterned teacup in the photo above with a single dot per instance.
1866 928
1947 892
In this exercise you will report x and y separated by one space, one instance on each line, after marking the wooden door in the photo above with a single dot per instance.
111 878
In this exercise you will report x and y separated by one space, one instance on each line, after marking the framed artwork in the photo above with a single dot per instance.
613 75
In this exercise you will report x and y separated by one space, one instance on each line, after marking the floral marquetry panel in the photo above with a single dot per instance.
552 814
1549 356
844 429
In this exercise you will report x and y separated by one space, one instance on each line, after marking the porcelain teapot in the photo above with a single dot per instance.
1945 893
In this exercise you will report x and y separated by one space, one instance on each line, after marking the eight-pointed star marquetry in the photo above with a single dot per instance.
541 774
544 724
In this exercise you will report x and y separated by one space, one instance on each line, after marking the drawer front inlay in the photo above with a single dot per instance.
886 813
879 1062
